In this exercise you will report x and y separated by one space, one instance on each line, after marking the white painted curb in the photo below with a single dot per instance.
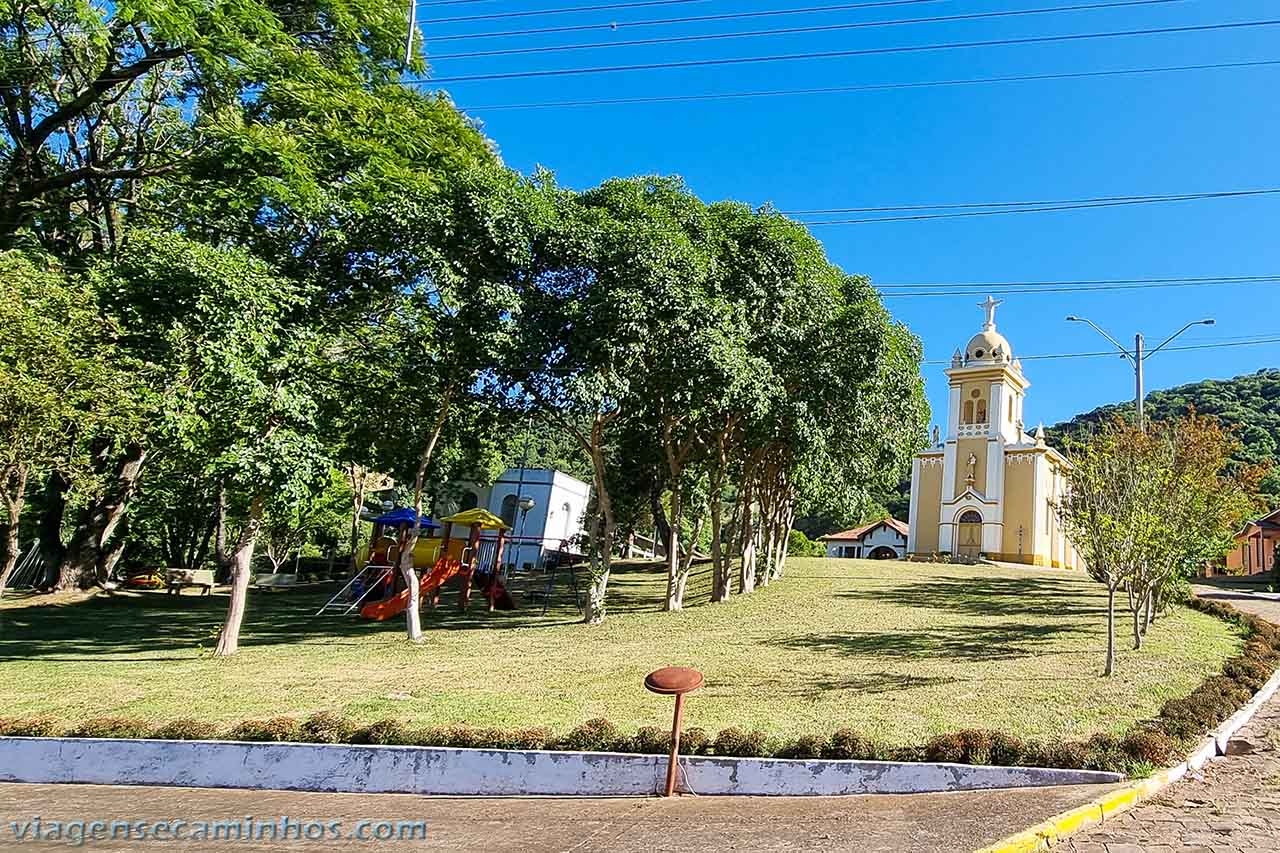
484 772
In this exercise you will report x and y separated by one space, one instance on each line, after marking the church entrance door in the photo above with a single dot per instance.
969 535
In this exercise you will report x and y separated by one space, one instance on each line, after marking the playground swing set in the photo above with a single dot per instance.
378 589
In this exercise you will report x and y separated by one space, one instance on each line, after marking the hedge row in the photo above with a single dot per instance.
1147 745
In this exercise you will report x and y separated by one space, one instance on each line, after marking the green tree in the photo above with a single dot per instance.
54 385
240 396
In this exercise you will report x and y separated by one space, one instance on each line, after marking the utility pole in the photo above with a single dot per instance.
1138 357
408 39
1140 392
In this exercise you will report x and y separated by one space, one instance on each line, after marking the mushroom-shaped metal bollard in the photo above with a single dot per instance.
674 681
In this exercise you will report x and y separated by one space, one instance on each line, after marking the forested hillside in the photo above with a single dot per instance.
1250 403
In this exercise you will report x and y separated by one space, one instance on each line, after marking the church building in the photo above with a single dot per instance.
988 488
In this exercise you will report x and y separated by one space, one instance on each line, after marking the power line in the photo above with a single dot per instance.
599 7
1114 354
873 87
815 28
1106 288
832 54
980 287
693 19
1019 204
1050 209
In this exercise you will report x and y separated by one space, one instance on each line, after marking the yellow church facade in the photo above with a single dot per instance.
989 489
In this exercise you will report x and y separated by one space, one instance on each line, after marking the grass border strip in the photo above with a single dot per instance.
1044 835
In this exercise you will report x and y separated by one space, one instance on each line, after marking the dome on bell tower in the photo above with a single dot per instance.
988 345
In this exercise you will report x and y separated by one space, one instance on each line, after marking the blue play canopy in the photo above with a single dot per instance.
404 515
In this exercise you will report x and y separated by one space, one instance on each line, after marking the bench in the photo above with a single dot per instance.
273 581
178 579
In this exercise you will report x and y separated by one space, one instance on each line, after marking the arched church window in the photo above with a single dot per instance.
970 516
982 412
968 412
1010 410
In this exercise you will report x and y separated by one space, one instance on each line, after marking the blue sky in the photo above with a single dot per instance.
1169 133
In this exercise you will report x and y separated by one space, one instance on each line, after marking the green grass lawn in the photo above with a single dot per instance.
901 651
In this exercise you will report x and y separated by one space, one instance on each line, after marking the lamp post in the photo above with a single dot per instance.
1138 356
526 503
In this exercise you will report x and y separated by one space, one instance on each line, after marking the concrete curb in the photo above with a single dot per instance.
484 772
1046 834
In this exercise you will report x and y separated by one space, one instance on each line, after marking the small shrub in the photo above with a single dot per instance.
1250 673
650 740
1065 755
429 736
111 727
1006 750
948 748
1184 718
977 746
382 733
1260 651
1150 745
902 753
186 729
466 737
849 745
276 729
734 741
598 735
1104 752
695 741
326 727
804 746
530 738
29 727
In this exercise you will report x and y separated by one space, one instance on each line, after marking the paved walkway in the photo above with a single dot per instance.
1231 805
929 823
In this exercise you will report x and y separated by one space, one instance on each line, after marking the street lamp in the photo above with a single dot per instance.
1138 356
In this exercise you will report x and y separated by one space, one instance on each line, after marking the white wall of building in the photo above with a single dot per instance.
882 534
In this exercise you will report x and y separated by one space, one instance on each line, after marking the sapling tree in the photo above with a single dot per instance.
1109 511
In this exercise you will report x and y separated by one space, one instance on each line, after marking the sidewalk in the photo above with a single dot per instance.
928 823
1231 806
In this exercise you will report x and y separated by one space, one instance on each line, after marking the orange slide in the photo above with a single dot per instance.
445 568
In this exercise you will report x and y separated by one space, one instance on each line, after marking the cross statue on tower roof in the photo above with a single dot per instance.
990 307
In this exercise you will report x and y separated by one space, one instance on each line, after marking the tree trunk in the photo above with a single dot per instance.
413 613
674 599
747 535
602 529
99 520
663 529
1110 667
108 559
55 507
15 490
1137 627
719 560
359 478
241 566
220 534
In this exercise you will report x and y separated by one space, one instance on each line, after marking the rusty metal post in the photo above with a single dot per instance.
675 745
674 681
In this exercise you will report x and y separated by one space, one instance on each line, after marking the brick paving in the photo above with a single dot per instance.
1232 805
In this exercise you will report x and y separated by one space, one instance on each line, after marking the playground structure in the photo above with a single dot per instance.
377 589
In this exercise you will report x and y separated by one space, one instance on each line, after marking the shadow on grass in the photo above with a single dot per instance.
151 627
977 643
993 596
